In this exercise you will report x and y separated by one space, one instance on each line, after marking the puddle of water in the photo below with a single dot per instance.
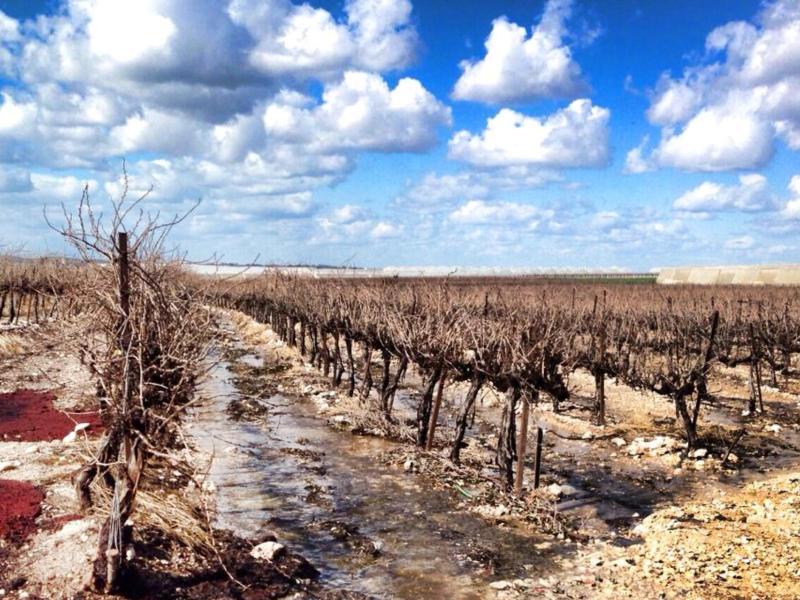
295 475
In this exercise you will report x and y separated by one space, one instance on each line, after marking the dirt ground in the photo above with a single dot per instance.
645 520
629 514
48 430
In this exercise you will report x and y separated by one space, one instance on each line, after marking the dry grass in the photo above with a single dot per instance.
179 514
253 332
10 346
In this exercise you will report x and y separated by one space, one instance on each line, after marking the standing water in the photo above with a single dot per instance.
366 527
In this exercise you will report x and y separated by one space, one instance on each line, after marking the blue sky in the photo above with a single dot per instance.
630 134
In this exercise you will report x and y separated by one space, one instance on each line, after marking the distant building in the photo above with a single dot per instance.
733 275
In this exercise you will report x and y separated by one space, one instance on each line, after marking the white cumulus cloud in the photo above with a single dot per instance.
518 66
729 113
479 212
636 161
362 112
751 194
575 136
792 208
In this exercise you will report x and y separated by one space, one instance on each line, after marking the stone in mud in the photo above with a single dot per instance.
554 490
500 585
490 511
268 551
657 446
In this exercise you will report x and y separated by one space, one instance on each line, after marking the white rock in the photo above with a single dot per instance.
587 436
268 551
774 428
554 489
378 545
500 585
700 453
409 465
618 442
70 437
492 511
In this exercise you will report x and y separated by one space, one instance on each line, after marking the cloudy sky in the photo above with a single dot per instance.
564 133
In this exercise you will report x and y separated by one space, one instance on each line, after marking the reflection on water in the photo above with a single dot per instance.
299 478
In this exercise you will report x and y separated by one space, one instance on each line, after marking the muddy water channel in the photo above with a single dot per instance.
366 527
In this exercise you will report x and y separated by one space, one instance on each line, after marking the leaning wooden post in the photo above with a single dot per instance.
521 443
435 414
538 464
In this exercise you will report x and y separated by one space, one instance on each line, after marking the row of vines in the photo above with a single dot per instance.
525 341
128 309
31 289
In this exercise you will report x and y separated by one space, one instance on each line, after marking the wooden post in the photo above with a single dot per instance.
435 414
124 276
758 387
125 332
538 464
600 381
521 444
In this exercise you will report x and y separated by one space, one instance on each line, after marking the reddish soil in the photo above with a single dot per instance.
20 504
29 416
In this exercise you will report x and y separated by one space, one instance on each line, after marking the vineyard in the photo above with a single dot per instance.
409 361
525 341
